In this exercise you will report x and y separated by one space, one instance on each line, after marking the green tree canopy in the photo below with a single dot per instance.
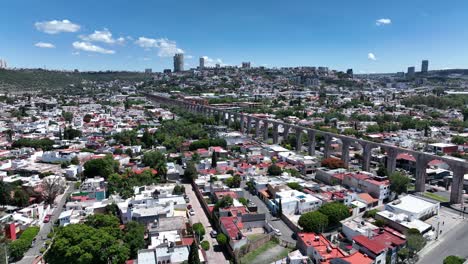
193 257
453 260
191 172
5 193
101 167
21 197
82 244
134 237
313 222
399 183
156 160
222 239
274 170
335 212
44 144
233 182
199 230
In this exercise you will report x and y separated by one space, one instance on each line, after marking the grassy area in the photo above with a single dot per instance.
253 237
435 197
411 187
249 258
267 253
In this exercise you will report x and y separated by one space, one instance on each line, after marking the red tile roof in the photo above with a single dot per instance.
232 228
358 258
381 242
405 156
325 248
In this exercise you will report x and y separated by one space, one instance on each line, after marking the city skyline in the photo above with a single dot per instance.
367 37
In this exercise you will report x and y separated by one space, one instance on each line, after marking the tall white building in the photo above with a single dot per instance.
202 63
178 62
3 64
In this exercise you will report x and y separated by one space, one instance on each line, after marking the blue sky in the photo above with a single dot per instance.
138 34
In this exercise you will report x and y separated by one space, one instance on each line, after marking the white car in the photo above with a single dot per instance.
191 212
277 232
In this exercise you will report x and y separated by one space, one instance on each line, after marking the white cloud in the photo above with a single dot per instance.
104 36
44 45
189 57
86 46
165 47
383 21
371 56
57 26
210 62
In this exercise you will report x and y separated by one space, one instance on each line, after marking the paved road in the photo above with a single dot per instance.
200 217
41 237
454 242
286 232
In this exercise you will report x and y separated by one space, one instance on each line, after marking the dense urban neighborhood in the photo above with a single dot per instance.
234 164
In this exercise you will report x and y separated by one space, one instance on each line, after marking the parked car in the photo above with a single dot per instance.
189 206
277 232
192 212
213 233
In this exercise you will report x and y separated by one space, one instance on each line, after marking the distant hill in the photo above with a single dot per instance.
39 79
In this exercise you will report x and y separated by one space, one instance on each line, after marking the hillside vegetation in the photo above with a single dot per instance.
39 79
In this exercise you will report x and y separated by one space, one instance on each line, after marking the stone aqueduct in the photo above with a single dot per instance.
261 125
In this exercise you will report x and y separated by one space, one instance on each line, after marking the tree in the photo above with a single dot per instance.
333 163
68 116
381 171
295 186
233 182
107 222
224 202
205 245
193 257
403 254
459 140
465 114
199 230
52 186
243 201
21 198
191 172
18 247
157 161
178 190
75 161
399 183
5 193
280 208
313 222
147 139
87 118
335 212
414 241
70 133
379 223
453 260
274 170
83 244
134 237
222 239
214 160
101 167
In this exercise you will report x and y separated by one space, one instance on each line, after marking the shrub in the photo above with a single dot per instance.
205 245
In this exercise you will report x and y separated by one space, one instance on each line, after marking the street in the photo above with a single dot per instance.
200 217
454 241
41 237
286 232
